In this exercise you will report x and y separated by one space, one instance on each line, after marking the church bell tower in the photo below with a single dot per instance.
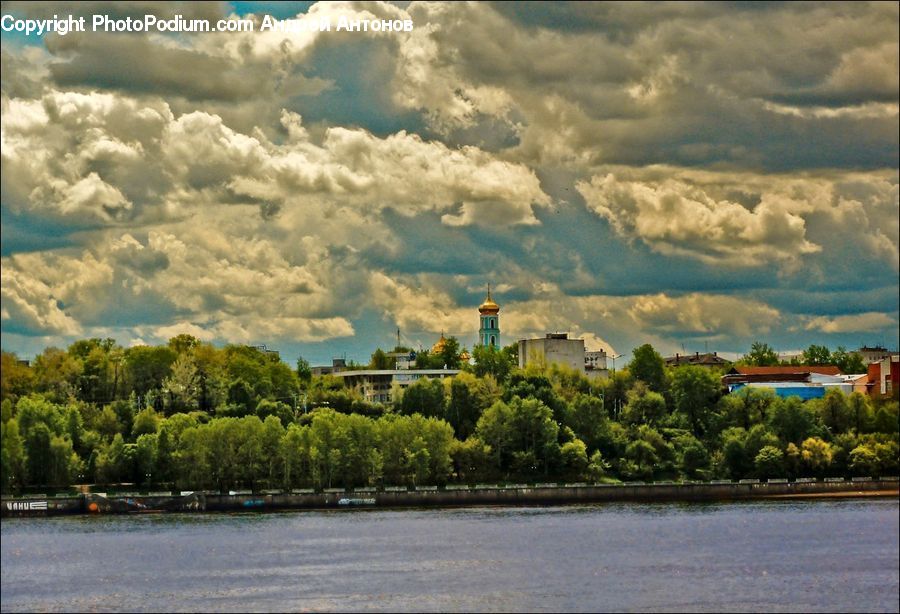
489 333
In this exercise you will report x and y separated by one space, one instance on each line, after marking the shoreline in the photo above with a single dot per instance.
425 497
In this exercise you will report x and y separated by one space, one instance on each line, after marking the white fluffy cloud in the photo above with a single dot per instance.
858 323
743 220
110 160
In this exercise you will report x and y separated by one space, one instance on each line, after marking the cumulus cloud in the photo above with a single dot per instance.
49 294
862 322
744 220
110 160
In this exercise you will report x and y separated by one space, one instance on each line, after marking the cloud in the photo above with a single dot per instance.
111 160
46 295
863 322
743 219
668 86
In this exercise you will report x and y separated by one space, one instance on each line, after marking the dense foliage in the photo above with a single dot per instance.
190 415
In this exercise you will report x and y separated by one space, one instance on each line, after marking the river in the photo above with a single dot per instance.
803 556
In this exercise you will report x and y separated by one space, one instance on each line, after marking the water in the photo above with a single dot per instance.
824 555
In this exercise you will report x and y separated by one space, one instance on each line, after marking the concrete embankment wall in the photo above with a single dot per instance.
449 497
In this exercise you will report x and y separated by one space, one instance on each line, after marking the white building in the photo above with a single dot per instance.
377 385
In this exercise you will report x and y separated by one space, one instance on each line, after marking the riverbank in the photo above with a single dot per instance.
451 496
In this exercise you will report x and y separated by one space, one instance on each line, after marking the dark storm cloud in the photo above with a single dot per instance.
135 64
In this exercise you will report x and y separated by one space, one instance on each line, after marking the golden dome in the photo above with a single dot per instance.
438 347
489 307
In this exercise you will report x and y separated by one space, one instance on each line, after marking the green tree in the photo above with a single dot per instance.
16 379
792 420
425 397
860 410
450 353
734 452
643 456
816 455
183 343
56 373
848 362
304 371
147 367
648 366
182 386
146 450
695 391
574 458
145 423
760 355
471 459
467 397
63 461
380 360
864 461
691 455
492 361
644 406
12 457
588 419
769 462
746 406
833 410
817 355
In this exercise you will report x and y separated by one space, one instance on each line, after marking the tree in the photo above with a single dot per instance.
848 362
450 353
380 360
816 455
769 462
648 366
588 419
425 397
746 406
56 373
183 343
792 420
525 428
12 457
864 461
145 454
468 397
734 454
574 458
182 386
644 406
37 453
147 367
692 456
304 371
760 355
833 410
471 459
695 391
492 361
817 355
16 379
861 414
145 423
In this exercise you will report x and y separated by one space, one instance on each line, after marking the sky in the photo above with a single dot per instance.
694 176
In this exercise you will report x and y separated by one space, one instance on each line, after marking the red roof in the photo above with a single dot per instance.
829 370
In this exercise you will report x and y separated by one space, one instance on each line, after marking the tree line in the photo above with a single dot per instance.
190 415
